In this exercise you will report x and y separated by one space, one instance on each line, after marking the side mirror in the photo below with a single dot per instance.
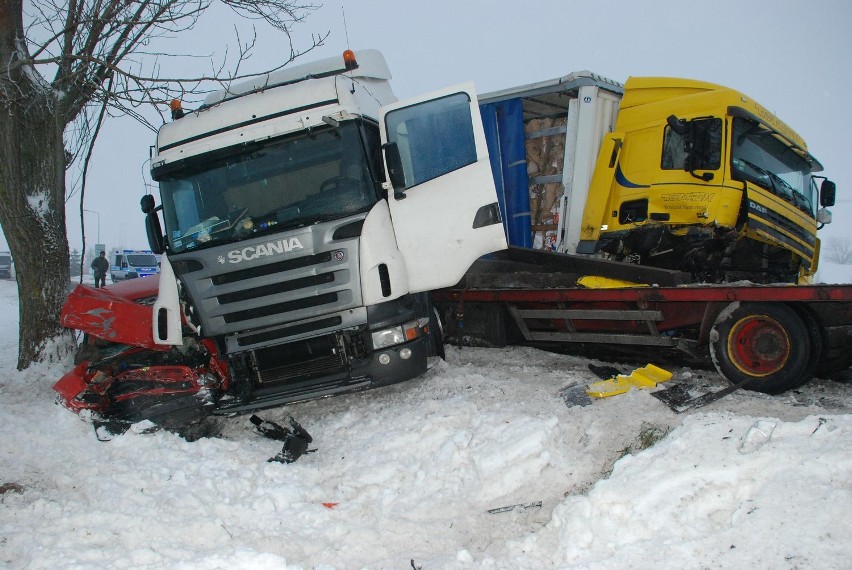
393 161
827 193
147 204
702 144
677 125
156 243
823 217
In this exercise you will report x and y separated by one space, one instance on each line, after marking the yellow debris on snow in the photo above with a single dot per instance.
645 377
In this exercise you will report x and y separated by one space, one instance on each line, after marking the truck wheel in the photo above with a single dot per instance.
767 344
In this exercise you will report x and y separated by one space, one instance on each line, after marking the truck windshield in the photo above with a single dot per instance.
759 157
141 260
270 186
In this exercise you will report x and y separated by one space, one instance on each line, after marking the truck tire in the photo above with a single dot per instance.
817 343
766 344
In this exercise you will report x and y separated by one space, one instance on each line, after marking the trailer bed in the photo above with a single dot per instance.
791 332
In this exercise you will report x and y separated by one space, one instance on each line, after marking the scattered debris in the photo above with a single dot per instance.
11 488
646 377
613 383
604 372
757 435
575 395
677 397
517 508
295 438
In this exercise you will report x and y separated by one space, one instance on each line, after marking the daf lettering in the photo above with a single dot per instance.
757 207
271 248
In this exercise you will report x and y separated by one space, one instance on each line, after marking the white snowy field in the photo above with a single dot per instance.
404 477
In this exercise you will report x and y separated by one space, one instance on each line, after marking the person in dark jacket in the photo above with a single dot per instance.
100 266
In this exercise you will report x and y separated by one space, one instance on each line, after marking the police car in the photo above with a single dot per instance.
132 263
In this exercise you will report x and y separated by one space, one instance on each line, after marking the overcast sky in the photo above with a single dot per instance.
792 57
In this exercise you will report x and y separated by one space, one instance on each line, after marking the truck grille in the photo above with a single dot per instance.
273 298
286 307
272 268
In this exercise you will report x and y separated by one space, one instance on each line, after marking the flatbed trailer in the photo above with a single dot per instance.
769 338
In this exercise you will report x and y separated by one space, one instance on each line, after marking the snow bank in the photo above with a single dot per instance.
717 493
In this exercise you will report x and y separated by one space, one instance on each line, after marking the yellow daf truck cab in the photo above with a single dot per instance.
699 177
670 173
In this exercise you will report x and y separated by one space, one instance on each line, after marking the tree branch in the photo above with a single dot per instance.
100 56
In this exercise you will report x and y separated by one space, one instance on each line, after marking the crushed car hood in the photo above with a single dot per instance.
120 313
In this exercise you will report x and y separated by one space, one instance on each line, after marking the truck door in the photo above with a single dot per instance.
441 192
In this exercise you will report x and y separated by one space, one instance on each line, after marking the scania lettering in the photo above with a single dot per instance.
249 253
304 217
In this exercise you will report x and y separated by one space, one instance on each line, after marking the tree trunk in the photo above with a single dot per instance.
32 214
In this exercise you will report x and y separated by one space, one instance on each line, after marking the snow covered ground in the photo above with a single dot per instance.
405 477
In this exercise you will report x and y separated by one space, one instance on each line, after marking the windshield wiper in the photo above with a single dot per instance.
775 178
781 187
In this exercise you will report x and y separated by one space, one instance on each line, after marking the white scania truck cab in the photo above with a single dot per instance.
305 215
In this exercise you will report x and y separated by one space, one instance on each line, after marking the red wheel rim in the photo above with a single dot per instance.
758 345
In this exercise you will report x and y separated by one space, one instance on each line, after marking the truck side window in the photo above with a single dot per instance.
372 147
699 148
674 155
434 137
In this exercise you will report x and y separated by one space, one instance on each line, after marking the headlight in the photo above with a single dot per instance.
388 337
399 334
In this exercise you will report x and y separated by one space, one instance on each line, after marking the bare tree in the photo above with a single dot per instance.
66 66
839 250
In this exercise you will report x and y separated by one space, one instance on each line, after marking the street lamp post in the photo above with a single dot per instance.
99 221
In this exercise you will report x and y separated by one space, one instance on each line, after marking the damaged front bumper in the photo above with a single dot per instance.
121 375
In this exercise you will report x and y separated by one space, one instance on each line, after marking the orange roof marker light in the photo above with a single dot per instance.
177 110
349 60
